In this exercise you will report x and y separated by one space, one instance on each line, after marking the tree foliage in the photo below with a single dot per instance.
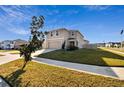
36 39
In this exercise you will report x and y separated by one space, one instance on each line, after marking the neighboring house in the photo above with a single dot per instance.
100 44
92 46
56 38
113 44
95 45
122 43
0 45
86 44
18 43
7 44
12 44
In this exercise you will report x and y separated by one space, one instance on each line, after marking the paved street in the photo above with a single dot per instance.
3 83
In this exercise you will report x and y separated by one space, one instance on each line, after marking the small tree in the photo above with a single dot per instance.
36 39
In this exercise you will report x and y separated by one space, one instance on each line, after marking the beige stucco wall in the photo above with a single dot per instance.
56 41
80 40
63 35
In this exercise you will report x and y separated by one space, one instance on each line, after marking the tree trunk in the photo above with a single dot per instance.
24 65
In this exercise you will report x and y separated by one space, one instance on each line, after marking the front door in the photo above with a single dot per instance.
72 43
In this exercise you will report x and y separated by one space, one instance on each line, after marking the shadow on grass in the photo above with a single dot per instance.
108 54
14 78
114 59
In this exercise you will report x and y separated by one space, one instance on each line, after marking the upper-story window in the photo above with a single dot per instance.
12 42
72 33
57 33
51 34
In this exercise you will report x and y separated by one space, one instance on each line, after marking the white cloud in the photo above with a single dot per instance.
96 7
13 18
13 11
50 12
19 31
72 12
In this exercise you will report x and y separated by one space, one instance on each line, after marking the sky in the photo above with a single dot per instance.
98 24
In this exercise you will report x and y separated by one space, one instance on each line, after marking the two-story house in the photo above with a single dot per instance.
56 38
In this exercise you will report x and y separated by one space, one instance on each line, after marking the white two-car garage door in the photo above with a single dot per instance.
55 45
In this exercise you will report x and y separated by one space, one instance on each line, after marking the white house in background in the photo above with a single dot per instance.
56 38
113 44
12 44
7 44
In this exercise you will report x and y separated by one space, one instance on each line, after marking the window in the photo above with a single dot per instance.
51 34
12 42
57 33
72 33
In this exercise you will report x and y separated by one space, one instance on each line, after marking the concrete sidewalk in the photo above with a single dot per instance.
42 51
8 57
114 72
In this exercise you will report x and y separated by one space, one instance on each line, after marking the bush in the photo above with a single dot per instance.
63 45
70 48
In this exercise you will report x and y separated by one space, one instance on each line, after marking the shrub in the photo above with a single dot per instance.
63 45
70 48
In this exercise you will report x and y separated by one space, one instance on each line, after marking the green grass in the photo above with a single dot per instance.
9 51
98 57
117 49
41 75
3 50
14 52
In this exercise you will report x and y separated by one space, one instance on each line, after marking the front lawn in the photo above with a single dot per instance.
10 51
41 75
98 57
116 49
14 52
2 50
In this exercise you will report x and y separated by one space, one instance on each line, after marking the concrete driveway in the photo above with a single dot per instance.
10 57
42 51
